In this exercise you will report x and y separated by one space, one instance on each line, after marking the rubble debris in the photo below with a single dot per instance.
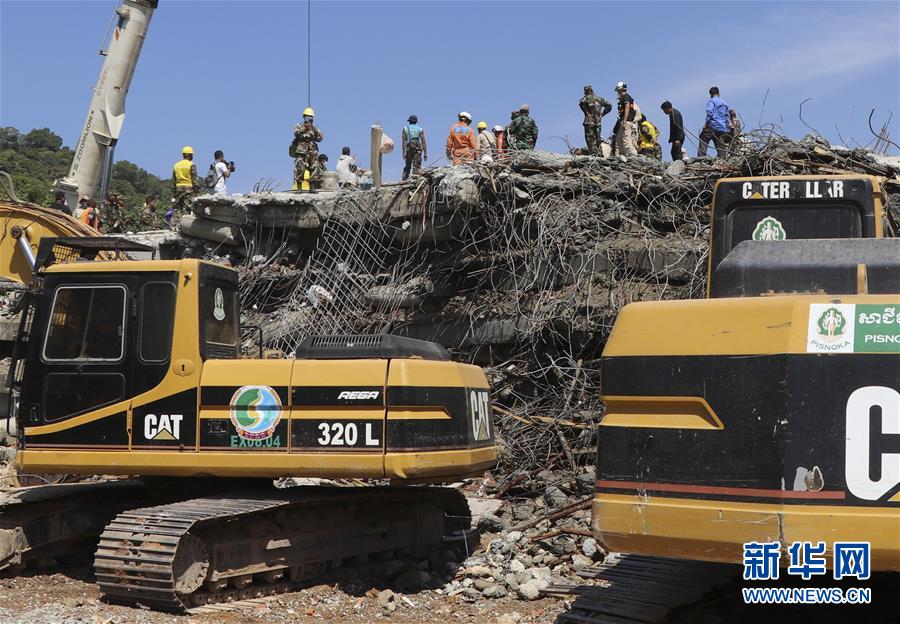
520 266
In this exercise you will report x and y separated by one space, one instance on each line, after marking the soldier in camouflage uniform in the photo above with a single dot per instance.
523 131
510 139
305 149
594 108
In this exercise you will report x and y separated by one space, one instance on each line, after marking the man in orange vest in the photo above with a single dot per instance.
461 143
500 135
91 216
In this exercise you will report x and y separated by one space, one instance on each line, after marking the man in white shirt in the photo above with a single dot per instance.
221 170
347 170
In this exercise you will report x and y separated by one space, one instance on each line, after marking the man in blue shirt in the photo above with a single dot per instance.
716 126
413 146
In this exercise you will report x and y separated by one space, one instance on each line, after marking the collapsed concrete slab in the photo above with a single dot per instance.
520 265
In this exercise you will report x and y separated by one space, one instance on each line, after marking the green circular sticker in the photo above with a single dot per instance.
769 228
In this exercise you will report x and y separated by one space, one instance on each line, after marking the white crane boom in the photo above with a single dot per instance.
92 164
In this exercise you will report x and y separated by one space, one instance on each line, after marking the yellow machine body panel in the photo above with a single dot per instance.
759 416
25 225
155 386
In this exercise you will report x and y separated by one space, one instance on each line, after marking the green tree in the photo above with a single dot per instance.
38 158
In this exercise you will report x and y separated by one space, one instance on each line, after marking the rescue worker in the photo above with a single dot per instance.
523 130
81 207
114 214
461 143
487 143
348 171
626 136
413 146
91 215
500 137
510 139
716 125
304 150
185 184
734 129
594 108
649 141
676 130
59 203
148 213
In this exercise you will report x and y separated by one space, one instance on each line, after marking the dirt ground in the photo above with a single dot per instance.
64 598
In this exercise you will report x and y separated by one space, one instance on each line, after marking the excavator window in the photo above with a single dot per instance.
794 221
157 321
219 319
87 323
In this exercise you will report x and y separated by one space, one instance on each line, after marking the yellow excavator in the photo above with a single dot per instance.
134 368
769 411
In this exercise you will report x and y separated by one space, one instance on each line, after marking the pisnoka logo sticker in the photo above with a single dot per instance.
830 328
853 328
769 228
255 412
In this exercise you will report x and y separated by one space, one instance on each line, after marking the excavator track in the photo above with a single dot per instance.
640 590
183 556
42 522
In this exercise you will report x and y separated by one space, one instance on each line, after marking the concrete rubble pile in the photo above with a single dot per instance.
520 266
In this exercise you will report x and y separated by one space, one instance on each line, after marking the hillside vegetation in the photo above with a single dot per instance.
36 158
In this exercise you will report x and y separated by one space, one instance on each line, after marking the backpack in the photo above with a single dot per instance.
211 178
292 150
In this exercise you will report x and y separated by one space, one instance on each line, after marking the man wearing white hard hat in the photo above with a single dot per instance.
461 142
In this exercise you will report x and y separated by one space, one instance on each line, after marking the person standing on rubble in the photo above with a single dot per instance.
626 136
676 130
510 139
487 142
594 108
461 143
91 215
148 213
184 184
734 129
220 170
114 214
716 126
305 151
413 146
523 130
500 138
649 142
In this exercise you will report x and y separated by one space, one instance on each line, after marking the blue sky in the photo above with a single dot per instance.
231 75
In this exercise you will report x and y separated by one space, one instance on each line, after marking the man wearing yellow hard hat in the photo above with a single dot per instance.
487 143
305 150
184 184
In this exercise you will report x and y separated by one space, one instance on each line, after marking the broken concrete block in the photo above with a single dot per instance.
207 229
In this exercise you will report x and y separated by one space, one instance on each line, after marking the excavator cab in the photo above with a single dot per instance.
762 413
135 367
